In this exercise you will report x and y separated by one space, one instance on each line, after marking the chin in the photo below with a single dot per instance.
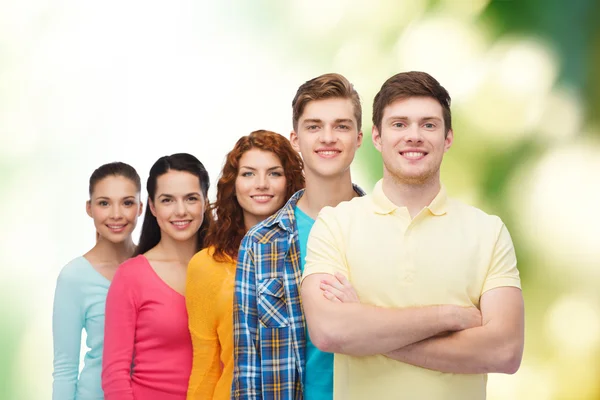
116 239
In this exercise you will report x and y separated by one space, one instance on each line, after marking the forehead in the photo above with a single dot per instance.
413 107
177 182
257 158
114 186
329 110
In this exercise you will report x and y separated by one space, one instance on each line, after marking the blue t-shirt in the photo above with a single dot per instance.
318 379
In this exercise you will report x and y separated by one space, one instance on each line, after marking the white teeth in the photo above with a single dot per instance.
116 226
413 154
261 197
328 152
180 223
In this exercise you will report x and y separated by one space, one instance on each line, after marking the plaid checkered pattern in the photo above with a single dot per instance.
269 325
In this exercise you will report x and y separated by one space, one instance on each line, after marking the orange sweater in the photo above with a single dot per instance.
209 301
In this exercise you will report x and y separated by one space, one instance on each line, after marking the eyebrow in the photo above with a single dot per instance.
319 121
108 198
312 121
185 195
431 118
254 169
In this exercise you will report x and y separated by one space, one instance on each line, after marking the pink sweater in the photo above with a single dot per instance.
147 345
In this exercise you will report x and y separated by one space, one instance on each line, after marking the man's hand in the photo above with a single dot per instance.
466 317
338 289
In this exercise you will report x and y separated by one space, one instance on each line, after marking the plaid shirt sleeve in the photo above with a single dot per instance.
247 372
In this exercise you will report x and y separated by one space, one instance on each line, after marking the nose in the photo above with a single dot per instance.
413 134
327 135
115 211
180 208
262 181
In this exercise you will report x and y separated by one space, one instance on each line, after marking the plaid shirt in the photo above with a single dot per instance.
269 325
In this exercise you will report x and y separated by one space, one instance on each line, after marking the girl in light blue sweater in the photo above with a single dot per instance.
81 288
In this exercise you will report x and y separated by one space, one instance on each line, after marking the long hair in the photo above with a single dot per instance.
227 230
150 235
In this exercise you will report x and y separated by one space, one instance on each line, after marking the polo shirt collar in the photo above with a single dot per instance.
383 205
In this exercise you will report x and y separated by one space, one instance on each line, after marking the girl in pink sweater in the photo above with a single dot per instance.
147 346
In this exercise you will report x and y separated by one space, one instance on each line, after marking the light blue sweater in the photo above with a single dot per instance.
79 303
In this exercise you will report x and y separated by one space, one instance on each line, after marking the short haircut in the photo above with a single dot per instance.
411 84
323 87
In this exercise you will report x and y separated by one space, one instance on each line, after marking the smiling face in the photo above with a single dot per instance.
178 205
115 207
327 137
260 185
412 140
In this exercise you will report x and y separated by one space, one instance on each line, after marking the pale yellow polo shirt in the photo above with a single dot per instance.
450 253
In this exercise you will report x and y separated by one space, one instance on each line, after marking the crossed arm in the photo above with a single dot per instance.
361 330
495 346
445 338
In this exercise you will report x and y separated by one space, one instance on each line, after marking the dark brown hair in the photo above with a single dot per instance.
411 84
226 232
323 87
115 169
150 235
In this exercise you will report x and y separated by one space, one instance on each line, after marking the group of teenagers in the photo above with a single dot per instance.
294 283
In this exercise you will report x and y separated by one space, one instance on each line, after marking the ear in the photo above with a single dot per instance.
152 209
449 140
141 210
88 207
359 139
376 137
294 141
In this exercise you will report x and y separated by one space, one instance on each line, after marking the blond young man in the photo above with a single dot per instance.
274 357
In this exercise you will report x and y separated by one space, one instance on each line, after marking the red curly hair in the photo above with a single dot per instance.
227 230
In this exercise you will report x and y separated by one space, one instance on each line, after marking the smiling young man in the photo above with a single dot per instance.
274 357
419 263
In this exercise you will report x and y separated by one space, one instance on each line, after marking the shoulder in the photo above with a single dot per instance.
270 229
472 215
75 271
132 268
346 210
203 265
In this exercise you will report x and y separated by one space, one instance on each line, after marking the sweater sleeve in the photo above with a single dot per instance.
202 293
67 324
119 336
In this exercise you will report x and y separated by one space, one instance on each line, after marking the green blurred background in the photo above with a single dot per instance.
84 83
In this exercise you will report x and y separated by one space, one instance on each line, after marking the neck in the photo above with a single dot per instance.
413 196
251 220
322 192
171 249
115 253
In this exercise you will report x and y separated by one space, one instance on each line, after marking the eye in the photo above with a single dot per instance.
129 203
276 173
429 125
103 203
193 198
312 127
247 173
398 124
165 200
343 127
